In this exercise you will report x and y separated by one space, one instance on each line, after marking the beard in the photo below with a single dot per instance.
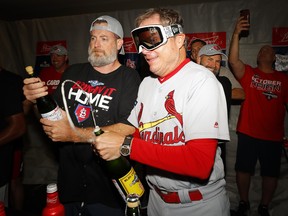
213 70
97 60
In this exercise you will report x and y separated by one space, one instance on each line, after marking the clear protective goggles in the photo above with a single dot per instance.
153 36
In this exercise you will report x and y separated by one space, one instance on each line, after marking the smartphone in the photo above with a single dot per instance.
246 14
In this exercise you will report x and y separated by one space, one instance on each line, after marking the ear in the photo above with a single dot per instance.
119 43
180 40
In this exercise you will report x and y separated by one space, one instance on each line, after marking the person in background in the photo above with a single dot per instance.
12 128
237 94
40 153
237 91
84 188
261 122
210 56
59 62
180 114
195 47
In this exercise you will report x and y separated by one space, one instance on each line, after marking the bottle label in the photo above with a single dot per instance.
52 200
131 184
53 115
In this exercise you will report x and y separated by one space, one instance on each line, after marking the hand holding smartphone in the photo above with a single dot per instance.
246 14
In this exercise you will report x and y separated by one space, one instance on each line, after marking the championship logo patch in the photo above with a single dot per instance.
82 112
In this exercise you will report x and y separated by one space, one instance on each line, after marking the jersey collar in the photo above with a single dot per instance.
172 73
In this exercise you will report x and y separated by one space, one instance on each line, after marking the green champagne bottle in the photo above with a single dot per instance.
132 205
98 131
122 174
46 105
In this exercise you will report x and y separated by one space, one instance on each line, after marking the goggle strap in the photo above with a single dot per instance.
173 30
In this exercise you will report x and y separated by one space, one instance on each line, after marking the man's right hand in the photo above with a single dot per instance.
34 88
241 25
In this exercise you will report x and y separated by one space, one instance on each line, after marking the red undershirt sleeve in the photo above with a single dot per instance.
195 158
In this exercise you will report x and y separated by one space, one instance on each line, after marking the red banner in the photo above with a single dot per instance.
43 47
280 36
129 46
218 38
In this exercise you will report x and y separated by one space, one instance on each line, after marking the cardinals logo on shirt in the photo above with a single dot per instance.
174 135
82 112
170 107
171 113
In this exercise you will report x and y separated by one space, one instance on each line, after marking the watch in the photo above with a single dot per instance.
125 147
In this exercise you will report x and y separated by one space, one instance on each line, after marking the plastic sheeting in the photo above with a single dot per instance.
19 38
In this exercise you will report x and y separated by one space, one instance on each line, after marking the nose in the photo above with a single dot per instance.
211 64
95 43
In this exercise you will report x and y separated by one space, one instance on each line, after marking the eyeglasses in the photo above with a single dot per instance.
153 36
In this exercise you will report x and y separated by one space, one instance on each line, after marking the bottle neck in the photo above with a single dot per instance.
132 206
52 199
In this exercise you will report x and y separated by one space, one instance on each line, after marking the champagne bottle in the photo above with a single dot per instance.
124 177
122 174
53 206
2 209
132 205
46 105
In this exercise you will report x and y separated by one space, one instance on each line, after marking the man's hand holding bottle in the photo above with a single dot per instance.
34 88
60 130
108 144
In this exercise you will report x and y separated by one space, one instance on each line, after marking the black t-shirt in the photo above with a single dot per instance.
112 97
227 86
11 103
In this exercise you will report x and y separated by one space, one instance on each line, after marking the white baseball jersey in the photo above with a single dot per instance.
189 105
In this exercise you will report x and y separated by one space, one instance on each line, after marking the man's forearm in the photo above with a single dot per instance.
234 49
83 135
86 135
238 94
120 128
237 66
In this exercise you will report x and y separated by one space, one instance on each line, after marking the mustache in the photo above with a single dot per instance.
95 50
